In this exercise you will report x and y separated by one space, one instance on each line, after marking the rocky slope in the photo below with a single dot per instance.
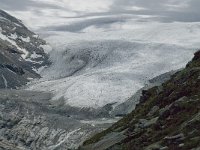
167 117
21 53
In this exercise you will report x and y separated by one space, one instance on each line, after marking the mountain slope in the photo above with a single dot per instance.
21 53
168 117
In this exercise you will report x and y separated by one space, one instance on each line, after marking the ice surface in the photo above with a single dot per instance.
108 65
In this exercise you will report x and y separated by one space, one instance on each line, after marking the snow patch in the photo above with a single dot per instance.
35 36
13 36
34 55
39 70
27 39
5 81
100 121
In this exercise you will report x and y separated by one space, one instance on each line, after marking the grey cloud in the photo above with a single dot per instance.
161 8
78 26
146 4
194 6
152 7
22 5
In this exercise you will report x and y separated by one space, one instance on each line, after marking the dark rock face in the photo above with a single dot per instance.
167 117
21 53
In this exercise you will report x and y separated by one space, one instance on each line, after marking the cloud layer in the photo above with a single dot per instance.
67 14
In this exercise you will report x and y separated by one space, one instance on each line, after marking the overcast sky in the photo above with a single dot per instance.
68 14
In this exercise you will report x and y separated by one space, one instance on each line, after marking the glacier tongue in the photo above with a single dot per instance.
92 69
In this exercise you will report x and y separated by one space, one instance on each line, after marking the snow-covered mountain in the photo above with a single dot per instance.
22 54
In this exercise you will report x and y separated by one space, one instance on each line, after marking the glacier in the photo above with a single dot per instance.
100 66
